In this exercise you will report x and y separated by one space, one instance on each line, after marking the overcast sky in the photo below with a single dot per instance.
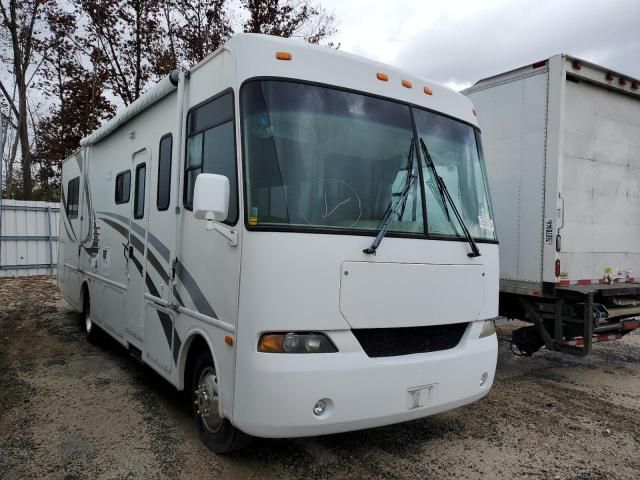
458 42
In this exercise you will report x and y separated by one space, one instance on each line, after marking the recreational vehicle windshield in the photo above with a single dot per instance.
225 238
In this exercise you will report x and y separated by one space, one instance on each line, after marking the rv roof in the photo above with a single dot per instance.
256 56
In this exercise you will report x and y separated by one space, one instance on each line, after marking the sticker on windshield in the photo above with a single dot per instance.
485 223
253 217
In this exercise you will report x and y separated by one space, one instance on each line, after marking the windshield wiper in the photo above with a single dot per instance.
394 209
446 196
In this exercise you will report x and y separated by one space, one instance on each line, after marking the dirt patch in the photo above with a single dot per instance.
71 410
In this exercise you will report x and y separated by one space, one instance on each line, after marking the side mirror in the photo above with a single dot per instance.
211 197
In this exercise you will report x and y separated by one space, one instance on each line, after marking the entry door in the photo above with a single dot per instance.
136 247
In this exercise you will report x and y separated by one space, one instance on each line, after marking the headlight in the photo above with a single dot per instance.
488 328
295 342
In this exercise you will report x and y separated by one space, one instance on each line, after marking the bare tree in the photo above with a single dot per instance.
203 27
289 18
123 39
19 24
78 104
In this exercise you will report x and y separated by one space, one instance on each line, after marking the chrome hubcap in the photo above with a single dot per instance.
87 322
206 400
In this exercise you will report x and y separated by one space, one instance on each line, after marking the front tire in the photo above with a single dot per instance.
217 433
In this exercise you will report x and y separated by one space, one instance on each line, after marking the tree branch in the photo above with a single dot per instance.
9 99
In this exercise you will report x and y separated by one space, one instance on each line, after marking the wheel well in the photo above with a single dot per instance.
84 291
197 345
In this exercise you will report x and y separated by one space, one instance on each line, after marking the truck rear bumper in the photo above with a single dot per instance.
277 392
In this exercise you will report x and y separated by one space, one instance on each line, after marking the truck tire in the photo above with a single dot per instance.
217 433
91 330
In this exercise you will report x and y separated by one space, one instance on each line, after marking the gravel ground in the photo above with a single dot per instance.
70 410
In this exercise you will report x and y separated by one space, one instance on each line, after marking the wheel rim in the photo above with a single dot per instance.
206 400
88 324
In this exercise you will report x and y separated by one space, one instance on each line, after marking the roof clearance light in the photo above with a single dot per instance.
428 91
635 85
622 81
576 65
539 64
382 76
406 84
283 56
609 77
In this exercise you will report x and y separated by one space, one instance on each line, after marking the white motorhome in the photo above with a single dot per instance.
562 140
268 232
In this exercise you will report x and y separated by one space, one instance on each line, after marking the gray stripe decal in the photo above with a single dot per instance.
153 240
199 300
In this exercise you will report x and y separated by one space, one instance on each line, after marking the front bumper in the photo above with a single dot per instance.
275 393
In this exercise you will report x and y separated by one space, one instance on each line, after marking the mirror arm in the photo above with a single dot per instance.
230 235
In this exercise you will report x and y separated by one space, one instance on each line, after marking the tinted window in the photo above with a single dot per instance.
211 148
73 197
138 207
123 187
164 173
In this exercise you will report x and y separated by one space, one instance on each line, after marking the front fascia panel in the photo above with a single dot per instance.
291 281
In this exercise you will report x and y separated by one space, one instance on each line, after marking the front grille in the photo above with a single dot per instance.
392 342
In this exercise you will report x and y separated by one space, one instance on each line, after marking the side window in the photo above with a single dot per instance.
123 187
138 198
73 197
164 173
211 148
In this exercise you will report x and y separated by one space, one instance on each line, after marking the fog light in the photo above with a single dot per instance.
483 379
319 407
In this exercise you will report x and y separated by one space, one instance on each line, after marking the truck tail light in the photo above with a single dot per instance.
557 267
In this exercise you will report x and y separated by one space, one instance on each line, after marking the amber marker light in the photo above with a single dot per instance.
283 56
428 91
271 343
228 340
406 84
382 76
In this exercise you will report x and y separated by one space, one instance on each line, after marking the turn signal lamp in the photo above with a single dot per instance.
382 76
557 272
283 56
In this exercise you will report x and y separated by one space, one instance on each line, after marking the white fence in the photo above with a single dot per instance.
28 238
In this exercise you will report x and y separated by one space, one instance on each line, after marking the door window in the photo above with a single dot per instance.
138 206
164 173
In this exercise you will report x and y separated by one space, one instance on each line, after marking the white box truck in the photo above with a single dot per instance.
562 141
227 228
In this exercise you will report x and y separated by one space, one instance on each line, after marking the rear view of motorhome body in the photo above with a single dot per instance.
562 140
300 238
